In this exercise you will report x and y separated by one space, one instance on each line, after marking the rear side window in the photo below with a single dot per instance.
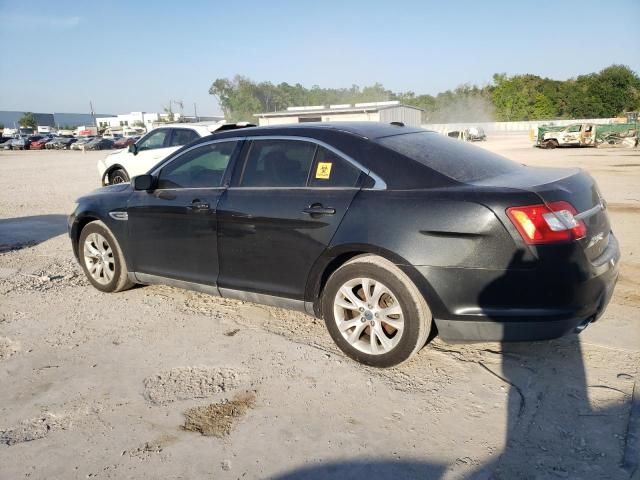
202 167
331 170
453 158
278 163
182 136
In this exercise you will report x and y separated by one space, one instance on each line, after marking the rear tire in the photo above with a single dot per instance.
118 176
101 259
383 328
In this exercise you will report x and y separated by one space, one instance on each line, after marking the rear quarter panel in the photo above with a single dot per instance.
445 231
432 227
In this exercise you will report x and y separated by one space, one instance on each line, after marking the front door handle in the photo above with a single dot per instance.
197 205
318 209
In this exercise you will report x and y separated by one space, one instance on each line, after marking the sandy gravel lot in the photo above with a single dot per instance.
162 383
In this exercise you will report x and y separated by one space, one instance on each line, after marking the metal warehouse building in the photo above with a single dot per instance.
369 112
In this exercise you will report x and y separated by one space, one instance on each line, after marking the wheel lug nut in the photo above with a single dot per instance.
361 309
377 314
363 319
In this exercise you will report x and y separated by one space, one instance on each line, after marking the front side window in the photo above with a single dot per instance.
182 136
278 163
154 140
574 128
331 170
202 167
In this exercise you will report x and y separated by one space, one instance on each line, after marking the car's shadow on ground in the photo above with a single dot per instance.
367 470
560 422
20 232
558 425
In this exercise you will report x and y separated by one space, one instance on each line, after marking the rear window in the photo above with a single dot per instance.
453 158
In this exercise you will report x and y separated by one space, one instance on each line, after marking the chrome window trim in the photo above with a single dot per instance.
379 183
203 144
294 188
180 189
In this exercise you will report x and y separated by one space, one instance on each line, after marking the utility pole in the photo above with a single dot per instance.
195 112
170 112
93 115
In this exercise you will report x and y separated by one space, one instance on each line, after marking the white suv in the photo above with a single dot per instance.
122 165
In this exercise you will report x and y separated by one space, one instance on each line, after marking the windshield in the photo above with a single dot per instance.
455 159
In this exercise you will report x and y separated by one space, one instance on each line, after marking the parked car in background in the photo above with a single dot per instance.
99 143
133 132
31 139
66 142
388 233
476 134
60 142
6 144
125 142
19 142
52 144
155 146
112 136
82 141
40 143
471 134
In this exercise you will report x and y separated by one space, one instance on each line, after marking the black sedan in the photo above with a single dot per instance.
387 232
99 143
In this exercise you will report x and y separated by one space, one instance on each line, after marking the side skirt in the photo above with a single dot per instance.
260 298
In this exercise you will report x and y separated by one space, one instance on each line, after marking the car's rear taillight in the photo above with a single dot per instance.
552 223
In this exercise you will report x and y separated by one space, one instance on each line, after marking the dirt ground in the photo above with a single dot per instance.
97 385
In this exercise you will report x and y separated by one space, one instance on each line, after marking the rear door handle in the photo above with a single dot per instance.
318 209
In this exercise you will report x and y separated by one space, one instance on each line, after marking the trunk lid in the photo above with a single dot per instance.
572 185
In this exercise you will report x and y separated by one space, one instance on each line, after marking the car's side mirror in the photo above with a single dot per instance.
143 182
133 148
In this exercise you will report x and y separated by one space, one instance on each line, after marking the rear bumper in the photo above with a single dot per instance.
520 304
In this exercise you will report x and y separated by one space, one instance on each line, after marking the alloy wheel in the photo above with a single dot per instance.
368 316
99 259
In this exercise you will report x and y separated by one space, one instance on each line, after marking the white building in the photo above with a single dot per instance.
131 119
385 112
148 119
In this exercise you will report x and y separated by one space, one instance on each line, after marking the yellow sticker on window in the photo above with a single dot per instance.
324 170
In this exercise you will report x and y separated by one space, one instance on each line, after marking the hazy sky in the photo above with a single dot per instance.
131 56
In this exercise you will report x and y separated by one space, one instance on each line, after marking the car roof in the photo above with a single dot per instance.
367 130
348 138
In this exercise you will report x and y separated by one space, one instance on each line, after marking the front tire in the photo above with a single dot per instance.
102 259
118 176
375 313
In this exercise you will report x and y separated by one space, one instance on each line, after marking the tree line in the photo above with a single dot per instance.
608 93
